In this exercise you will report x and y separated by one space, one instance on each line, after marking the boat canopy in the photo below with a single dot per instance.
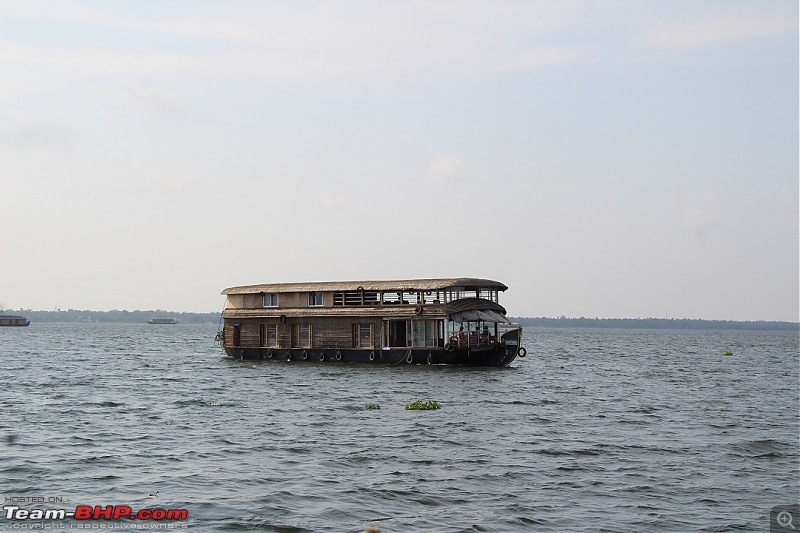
475 315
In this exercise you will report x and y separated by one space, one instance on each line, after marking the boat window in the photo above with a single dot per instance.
269 335
457 293
352 297
419 333
315 299
391 297
270 299
301 336
428 332
237 335
359 297
432 297
362 335
370 297
487 293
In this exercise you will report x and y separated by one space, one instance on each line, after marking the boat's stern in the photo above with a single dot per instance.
511 337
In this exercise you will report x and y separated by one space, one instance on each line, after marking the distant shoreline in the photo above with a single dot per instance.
112 317
133 317
658 323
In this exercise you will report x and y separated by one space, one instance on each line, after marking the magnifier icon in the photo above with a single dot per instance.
784 519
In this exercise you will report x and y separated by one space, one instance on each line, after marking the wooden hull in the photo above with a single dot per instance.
496 356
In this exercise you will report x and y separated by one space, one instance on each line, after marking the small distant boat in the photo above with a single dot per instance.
162 321
14 320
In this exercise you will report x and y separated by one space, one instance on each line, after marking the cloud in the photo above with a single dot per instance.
32 133
102 60
536 58
359 44
343 45
695 215
336 201
158 102
445 169
715 30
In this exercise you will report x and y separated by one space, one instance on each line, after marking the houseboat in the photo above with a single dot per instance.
456 321
162 321
14 320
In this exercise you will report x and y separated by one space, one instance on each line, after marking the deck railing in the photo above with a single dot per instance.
409 297
472 339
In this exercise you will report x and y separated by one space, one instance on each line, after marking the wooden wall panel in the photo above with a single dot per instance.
327 332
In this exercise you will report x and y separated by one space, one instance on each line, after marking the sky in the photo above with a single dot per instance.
601 158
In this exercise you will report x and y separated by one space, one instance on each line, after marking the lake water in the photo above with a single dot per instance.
595 430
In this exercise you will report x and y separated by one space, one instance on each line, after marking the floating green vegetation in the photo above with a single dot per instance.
419 405
373 406
728 352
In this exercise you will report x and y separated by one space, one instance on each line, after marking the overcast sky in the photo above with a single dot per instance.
601 158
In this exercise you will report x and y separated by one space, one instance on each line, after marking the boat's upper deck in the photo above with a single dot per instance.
410 292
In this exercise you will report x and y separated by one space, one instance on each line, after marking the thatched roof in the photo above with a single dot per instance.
380 285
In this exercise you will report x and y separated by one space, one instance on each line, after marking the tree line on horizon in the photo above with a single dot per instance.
139 316
113 317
